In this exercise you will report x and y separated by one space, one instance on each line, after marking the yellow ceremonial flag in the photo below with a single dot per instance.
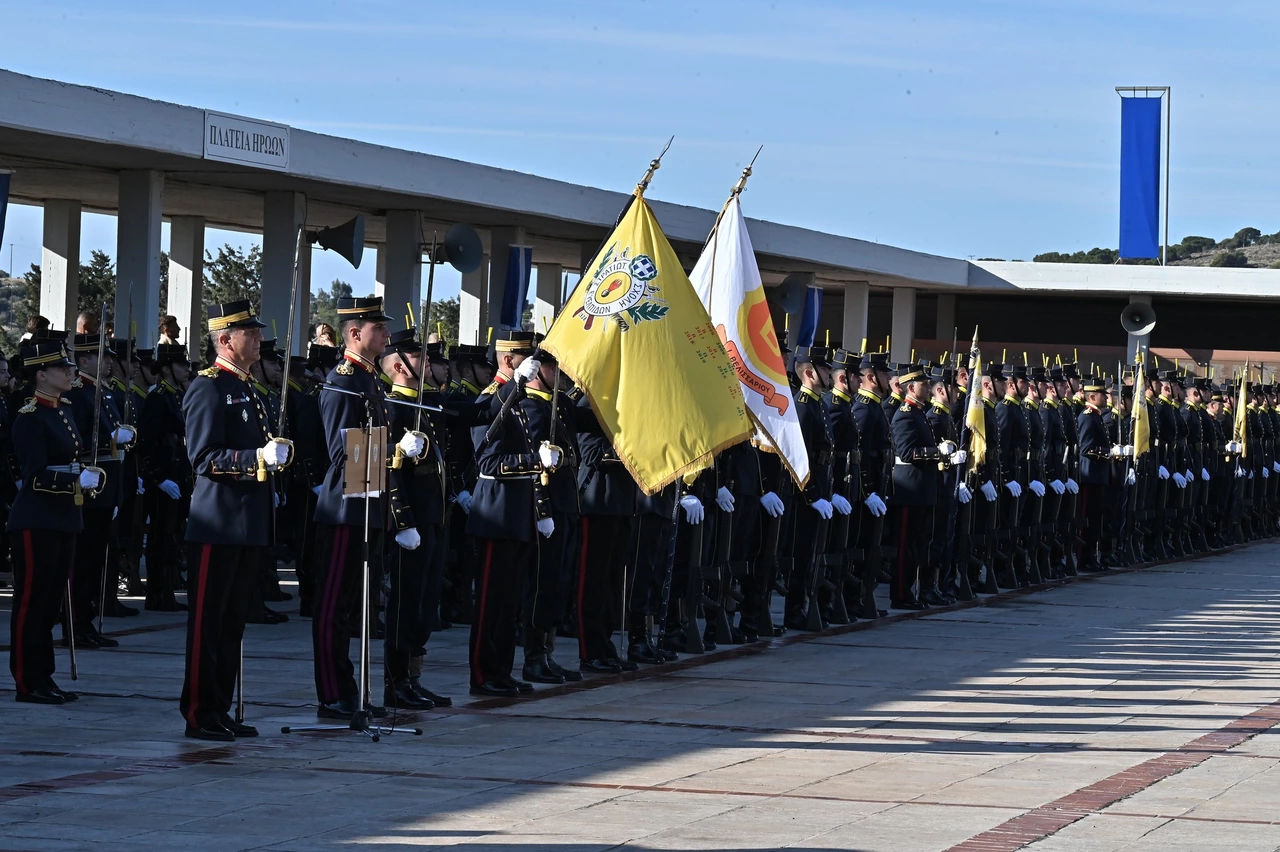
638 341
1241 429
975 418
1141 415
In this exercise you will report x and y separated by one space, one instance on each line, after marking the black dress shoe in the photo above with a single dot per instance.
523 687
377 712
491 689
537 670
343 708
600 666
933 598
67 695
41 695
213 732
402 696
796 621
643 652
237 729
912 604
624 665
568 674
98 639
84 642
438 700
667 655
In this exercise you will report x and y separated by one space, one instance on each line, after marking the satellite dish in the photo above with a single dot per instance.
1138 318
346 239
463 249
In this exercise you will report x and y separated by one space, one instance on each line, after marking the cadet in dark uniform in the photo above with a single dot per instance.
166 470
940 582
1096 454
45 520
305 474
842 541
876 474
1012 419
232 517
915 488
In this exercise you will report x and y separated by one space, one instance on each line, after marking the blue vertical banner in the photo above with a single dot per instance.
516 292
809 319
4 205
1140 177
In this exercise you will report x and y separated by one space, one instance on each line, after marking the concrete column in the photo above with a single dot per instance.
186 279
856 296
380 270
945 327
473 307
402 278
283 213
1138 342
903 327
138 253
547 303
60 264
500 242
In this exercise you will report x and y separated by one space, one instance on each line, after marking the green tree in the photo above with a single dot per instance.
1243 238
1234 259
1197 245
232 274
444 319
97 283
31 296
324 304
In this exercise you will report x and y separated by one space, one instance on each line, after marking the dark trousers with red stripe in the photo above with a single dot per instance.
602 554
415 594
220 582
336 611
42 560
497 607
912 528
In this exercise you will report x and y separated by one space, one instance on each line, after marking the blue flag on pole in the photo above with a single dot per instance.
516 291
809 319
1140 177
4 205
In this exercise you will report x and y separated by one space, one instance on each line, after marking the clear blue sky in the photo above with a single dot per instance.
960 128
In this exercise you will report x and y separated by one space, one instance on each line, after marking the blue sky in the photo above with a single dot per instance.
960 128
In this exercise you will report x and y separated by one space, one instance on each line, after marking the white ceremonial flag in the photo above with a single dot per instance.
727 281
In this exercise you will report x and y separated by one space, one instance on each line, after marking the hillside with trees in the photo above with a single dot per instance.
1247 248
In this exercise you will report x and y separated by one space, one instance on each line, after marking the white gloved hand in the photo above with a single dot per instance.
1128 451
1014 488
1163 472
316 490
1132 478
1275 465
528 369
464 501
1204 474
958 458
549 456
142 486
115 512
275 499
1073 486
876 504
409 538
947 447
171 490
1181 481
1057 486
1234 446
275 453
1239 472
724 499
1037 487
122 435
19 484
1266 473
411 445
692 509
841 505
1188 475
823 508
90 479
284 498
963 494
1251 474
1116 452
989 491
772 504
546 527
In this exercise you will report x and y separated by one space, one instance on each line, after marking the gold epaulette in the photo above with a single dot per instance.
29 407
77 383
575 393
209 372
491 390
345 369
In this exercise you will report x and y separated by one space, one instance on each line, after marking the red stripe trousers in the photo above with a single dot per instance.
41 562
220 581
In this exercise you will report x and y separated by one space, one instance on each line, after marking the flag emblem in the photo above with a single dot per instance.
619 290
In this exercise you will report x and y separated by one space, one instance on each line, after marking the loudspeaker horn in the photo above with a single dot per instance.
789 295
1138 318
462 248
346 239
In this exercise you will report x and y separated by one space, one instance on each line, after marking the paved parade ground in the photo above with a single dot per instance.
1129 711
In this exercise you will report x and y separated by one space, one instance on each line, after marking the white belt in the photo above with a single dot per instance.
899 460
65 468
508 477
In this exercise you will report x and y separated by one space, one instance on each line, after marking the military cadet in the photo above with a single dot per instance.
988 476
1012 420
846 481
341 520
1165 433
875 473
1097 452
415 573
126 546
940 583
265 375
470 372
1067 521
305 474
232 520
509 509
892 387
166 470
90 584
45 519
1033 512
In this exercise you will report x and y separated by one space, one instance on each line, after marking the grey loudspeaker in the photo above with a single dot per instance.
1138 318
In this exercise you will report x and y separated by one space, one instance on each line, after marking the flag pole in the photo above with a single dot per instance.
714 237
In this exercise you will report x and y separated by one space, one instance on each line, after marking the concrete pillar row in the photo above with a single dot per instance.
401 271
186 279
60 264
902 330
547 303
283 213
473 305
857 295
139 212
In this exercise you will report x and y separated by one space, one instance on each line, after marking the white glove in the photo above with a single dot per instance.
411 444
409 539
122 435
724 499
1163 472
1233 447
692 509
548 455
947 447
1073 486
90 479
1057 486
1266 473
142 488
528 369
1181 481
546 527
1239 472
989 491
823 508
1128 451
464 501
316 490
275 453
876 504
1188 475
275 499
1275 465
284 499
1204 474
1132 478
963 494
171 490
1251 474
958 458
841 505
1014 488
115 512
19 484
772 504
1037 487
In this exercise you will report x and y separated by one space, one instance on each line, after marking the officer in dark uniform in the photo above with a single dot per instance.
232 520
471 372
1055 468
1068 522
1037 540
305 474
1097 452
125 551
45 520
341 519
915 488
846 481
1012 419
940 583
166 470
876 472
